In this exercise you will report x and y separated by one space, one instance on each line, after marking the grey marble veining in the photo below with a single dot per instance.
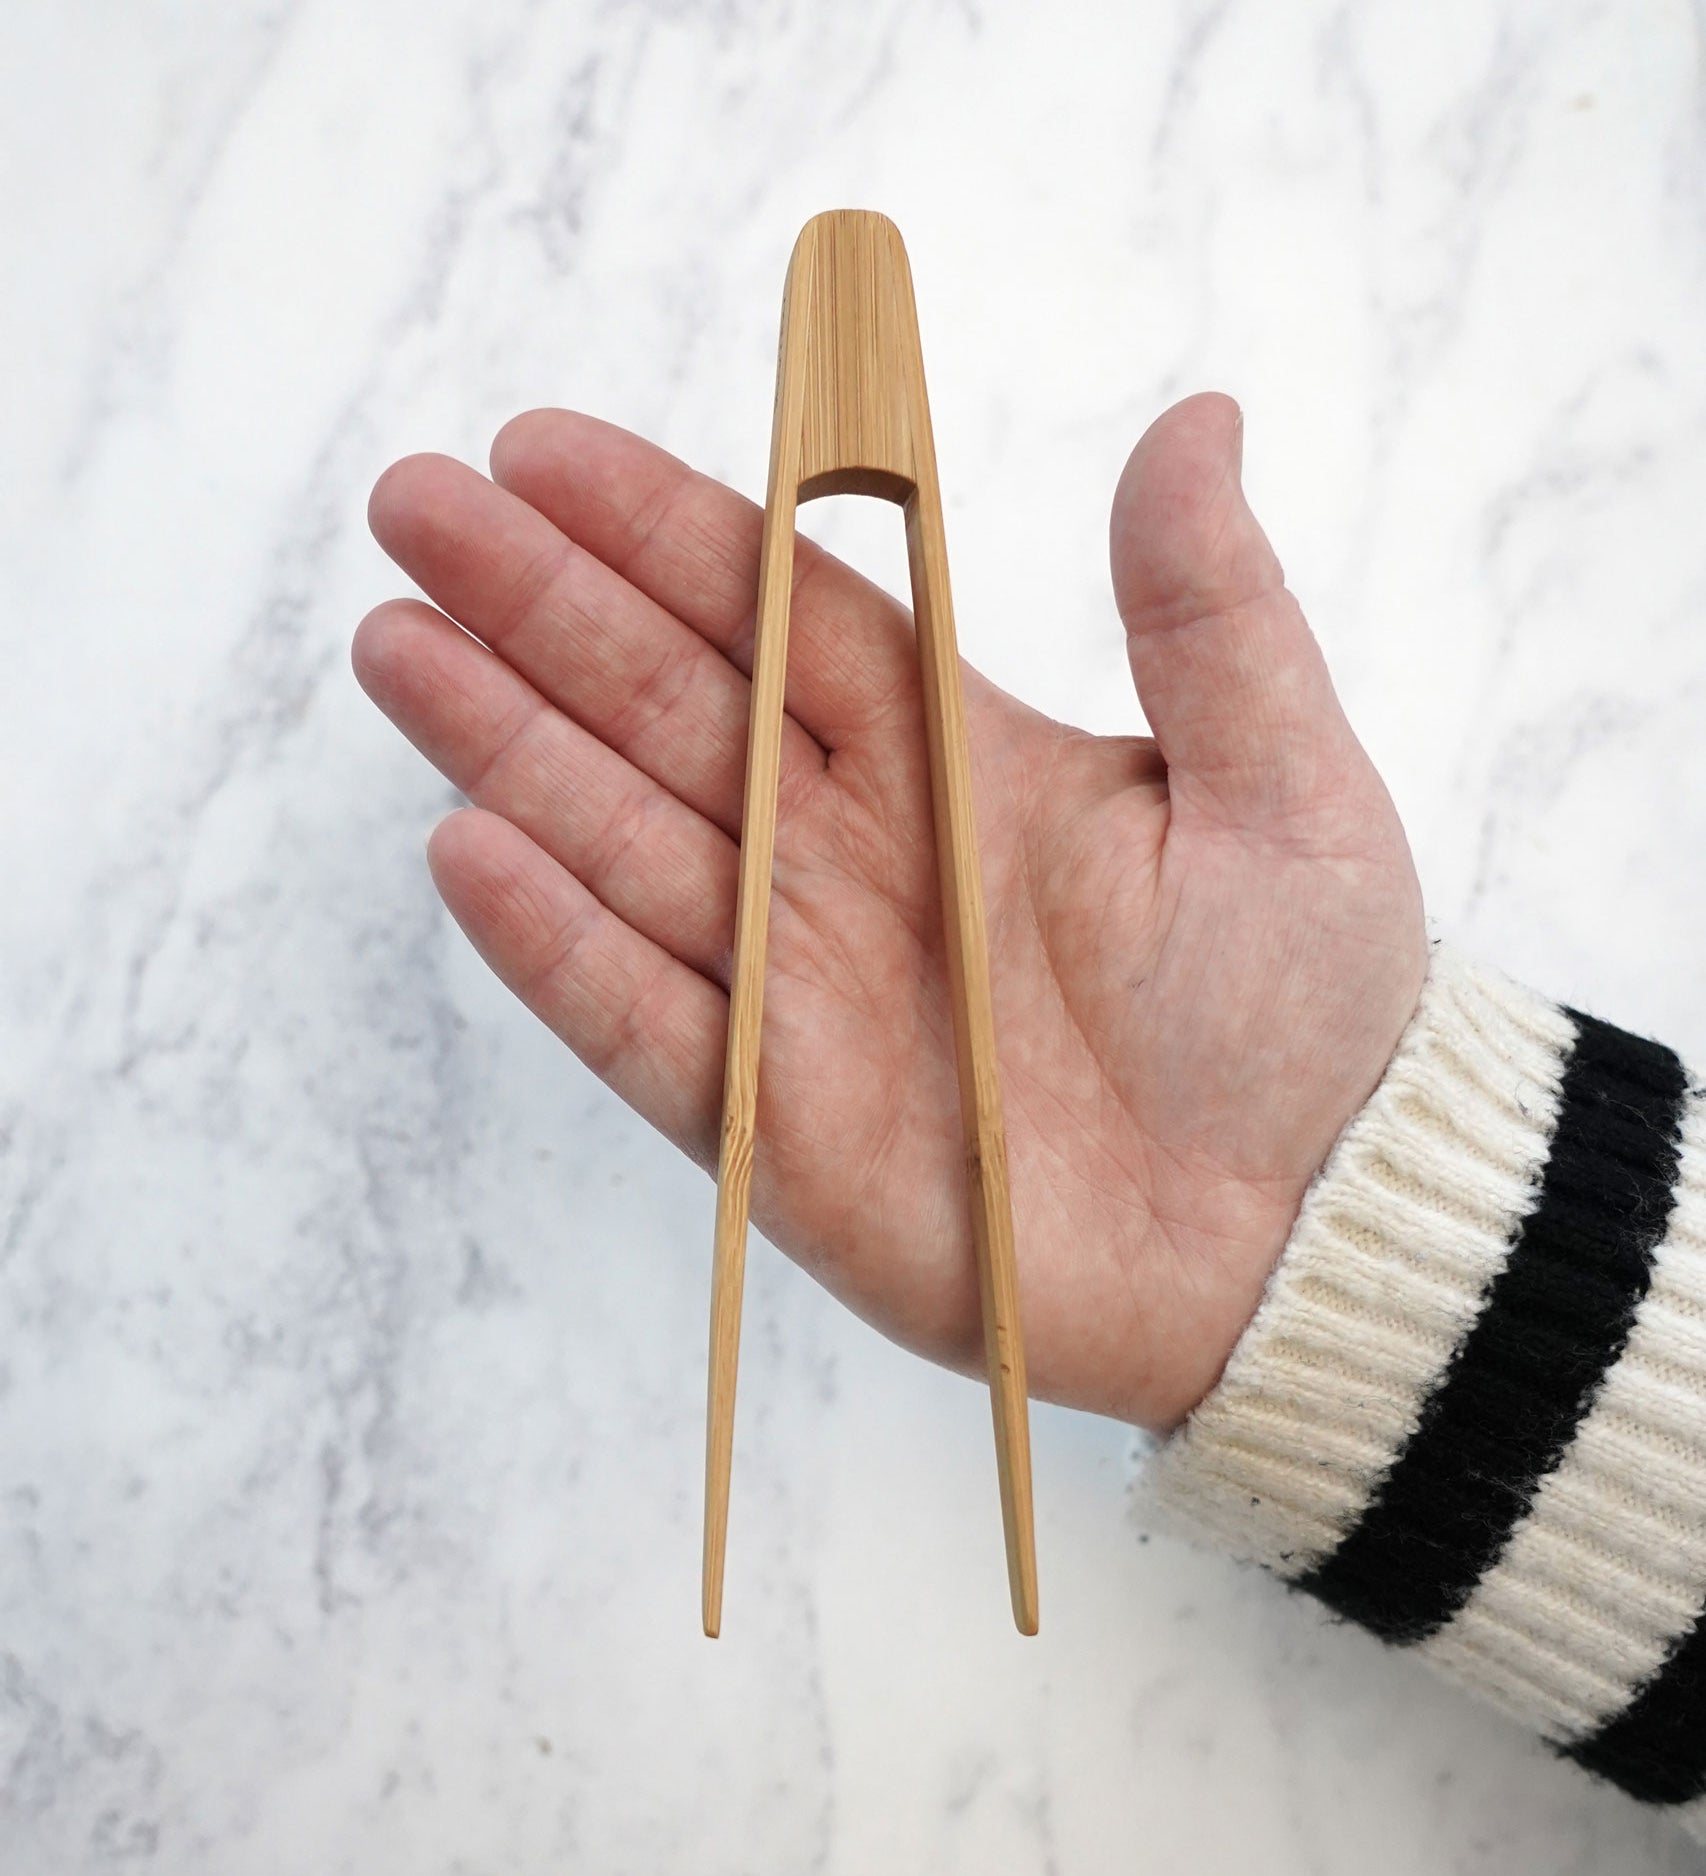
351 1337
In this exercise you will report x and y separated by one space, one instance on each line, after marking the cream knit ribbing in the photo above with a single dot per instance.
1610 1563
1602 1578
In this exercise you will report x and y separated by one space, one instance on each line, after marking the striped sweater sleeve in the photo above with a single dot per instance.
1470 1412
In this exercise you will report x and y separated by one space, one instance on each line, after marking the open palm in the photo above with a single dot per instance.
1203 947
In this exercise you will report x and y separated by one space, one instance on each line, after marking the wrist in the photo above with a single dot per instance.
1231 1249
1395 1242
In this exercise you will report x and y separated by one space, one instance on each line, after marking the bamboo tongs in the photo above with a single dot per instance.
852 418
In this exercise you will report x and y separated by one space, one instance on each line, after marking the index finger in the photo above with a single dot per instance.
691 544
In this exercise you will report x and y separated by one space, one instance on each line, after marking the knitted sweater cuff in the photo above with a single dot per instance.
1470 1412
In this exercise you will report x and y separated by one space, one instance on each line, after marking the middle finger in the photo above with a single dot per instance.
617 662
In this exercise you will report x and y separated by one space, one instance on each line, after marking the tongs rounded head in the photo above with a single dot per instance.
848 307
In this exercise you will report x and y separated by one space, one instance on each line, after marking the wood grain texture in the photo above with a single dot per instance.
852 417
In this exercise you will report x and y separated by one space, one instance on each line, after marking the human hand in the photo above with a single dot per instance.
1203 948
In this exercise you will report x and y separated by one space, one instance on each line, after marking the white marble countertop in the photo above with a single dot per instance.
351 1337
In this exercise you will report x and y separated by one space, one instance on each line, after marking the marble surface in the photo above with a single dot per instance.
351 1337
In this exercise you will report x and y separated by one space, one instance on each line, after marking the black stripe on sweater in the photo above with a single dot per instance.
1554 1320
1656 1747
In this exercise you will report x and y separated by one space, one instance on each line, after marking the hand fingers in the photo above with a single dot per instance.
650 1029
619 664
660 867
692 545
1227 670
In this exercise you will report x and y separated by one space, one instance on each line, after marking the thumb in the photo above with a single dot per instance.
1228 673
